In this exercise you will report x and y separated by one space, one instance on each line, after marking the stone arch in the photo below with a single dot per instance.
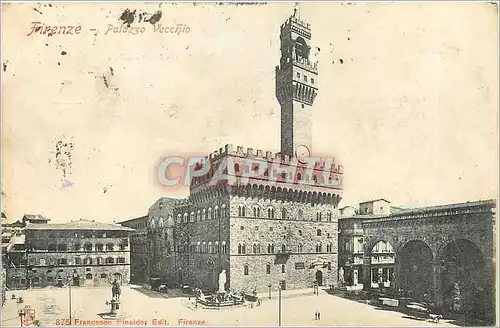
254 190
371 241
261 190
465 281
415 260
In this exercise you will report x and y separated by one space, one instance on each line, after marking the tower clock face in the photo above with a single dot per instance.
302 153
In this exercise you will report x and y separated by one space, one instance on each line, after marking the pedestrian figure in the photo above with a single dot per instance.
316 315
319 315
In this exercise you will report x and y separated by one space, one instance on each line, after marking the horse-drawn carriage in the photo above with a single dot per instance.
422 311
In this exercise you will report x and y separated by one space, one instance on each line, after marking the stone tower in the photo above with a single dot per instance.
296 87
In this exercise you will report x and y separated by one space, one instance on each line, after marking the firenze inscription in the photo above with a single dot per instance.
41 28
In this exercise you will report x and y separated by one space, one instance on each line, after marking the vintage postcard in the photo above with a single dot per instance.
249 164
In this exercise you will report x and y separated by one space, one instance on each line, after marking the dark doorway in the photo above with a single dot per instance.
319 277
283 284
76 281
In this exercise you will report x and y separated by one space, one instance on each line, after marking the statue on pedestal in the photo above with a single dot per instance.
116 291
222 282
341 277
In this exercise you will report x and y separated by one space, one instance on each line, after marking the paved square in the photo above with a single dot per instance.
140 306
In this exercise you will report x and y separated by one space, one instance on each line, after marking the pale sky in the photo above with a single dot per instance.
411 112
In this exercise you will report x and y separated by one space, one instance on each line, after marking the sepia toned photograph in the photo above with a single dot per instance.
259 164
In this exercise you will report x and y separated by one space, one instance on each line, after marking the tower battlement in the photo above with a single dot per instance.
294 24
269 156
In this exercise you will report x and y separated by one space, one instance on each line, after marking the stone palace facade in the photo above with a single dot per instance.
279 228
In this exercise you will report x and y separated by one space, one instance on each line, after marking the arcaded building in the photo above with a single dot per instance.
80 253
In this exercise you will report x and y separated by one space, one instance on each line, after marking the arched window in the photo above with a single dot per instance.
245 269
256 211
204 215
270 248
78 261
236 168
283 248
241 210
98 260
318 232
191 217
282 268
283 213
88 247
318 216
153 224
318 248
198 215
161 222
329 216
217 212
299 248
104 275
198 247
224 210
256 248
110 247
179 217
329 248
185 217
210 214
99 247
88 276
299 176
243 248
210 249
217 247
110 260
301 214
204 247
224 247
268 268
270 213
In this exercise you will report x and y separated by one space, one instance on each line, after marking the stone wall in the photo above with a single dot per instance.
289 231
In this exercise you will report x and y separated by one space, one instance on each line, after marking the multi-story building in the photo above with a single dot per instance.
138 248
81 253
351 253
162 260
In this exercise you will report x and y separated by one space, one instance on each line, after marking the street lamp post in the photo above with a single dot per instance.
279 305
70 299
